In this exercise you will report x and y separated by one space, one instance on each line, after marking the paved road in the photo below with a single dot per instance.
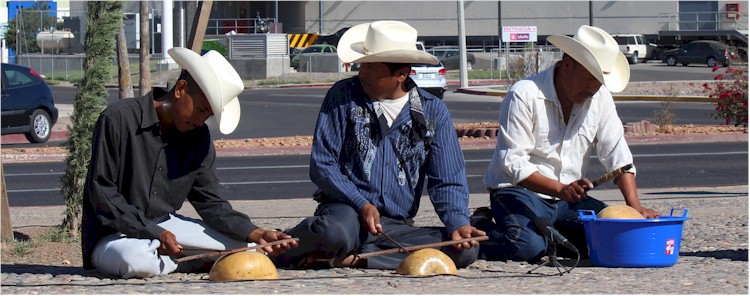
286 176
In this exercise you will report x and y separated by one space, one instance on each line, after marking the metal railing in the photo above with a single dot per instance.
241 26
701 21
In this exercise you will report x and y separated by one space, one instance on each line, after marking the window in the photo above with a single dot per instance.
17 78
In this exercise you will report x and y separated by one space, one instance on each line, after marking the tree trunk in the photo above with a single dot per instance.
7 227
144 85
123 65
104 21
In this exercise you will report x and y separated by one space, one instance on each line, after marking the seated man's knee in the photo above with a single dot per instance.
337 232
130 258
530 247
464 258
515 243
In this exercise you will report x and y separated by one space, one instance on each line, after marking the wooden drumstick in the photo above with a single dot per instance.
612 175
219 253
418 247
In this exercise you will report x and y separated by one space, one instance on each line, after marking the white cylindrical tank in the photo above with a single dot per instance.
53 40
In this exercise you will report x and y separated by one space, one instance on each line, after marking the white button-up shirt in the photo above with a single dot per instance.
533 136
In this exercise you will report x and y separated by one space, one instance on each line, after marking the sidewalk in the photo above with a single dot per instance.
712 259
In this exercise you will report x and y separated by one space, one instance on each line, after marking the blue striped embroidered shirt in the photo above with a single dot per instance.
352 163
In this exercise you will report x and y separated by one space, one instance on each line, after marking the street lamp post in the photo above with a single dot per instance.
462 44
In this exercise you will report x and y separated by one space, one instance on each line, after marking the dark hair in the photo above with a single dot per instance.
393 67
192 86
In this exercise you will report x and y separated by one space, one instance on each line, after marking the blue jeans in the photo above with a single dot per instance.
514 236
336 232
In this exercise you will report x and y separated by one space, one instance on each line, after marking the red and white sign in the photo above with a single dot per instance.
519 34
669 250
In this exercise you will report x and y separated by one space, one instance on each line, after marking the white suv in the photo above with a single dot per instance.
635 47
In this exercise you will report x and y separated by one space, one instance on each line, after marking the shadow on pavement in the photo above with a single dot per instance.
734 255
697 193
51 270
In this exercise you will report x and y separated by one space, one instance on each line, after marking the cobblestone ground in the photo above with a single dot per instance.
713 260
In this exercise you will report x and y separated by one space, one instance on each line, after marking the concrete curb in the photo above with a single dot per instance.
490 91
473 144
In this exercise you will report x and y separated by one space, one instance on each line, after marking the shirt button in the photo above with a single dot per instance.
154 192
159 168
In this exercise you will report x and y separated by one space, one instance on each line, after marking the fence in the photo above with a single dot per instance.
276 68
312 68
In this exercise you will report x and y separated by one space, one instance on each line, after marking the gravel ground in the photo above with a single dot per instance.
713 260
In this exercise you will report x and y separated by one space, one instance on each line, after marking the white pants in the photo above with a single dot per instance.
119 255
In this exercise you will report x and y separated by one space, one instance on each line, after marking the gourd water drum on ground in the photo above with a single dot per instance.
243 266
427 262
619 212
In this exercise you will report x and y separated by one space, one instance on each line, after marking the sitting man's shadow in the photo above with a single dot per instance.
54 270
734 255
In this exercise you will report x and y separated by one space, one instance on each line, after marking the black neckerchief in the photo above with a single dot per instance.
419 125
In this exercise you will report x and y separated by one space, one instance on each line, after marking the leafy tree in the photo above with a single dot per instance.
24 28
104 21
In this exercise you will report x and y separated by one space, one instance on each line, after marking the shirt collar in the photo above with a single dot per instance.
148 112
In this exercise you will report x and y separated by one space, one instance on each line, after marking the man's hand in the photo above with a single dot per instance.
262 236
370 219
466 231
576 191
169 245
647 213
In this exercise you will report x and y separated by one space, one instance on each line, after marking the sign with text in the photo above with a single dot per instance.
519 34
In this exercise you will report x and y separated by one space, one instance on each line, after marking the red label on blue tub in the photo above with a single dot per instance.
669 250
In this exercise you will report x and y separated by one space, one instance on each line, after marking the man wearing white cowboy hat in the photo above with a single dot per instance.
378 140
549 124
149 154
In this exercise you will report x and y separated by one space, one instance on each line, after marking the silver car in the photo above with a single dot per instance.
431 78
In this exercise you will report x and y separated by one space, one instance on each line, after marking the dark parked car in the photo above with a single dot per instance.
450 57
699 52
661 48
27 104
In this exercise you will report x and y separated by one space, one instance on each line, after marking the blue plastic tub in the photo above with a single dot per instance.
633 243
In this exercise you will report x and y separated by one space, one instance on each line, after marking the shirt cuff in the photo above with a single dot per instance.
154 230
454 222
523 174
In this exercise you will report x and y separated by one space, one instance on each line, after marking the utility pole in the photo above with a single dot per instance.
320 16
591 13
462 44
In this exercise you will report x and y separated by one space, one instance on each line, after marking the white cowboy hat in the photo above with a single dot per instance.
219 81
599 53
382 41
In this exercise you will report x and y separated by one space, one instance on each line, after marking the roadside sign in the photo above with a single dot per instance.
519 34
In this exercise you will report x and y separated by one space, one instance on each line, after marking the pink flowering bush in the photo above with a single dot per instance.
730 94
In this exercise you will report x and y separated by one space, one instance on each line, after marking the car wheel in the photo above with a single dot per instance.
41 127
634 58
711 62
671 61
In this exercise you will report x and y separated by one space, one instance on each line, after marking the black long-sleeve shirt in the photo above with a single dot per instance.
138 176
